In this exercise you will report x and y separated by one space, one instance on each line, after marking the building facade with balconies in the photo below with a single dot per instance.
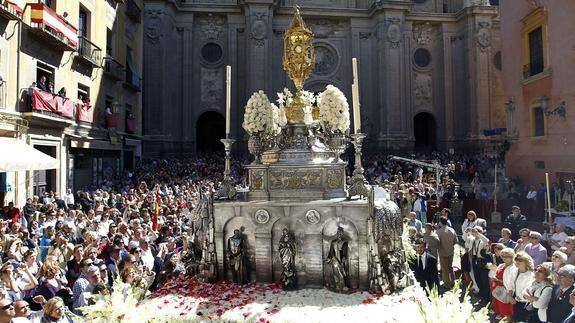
71 71
538 70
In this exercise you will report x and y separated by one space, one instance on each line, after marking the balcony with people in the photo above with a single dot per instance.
12 10
52 27
40 100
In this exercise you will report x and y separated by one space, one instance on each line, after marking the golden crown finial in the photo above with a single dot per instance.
298 60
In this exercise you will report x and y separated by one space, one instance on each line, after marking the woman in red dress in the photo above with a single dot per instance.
504 276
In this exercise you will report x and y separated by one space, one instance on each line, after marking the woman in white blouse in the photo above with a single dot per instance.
505 275
539 294
523 281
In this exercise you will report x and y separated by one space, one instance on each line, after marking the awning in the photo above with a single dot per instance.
18 156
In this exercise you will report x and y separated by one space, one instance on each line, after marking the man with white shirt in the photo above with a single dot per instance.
424 266
24 314
557 240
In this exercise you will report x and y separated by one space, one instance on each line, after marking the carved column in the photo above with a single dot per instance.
259 29
187 82
482 39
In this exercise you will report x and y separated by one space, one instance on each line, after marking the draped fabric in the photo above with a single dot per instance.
45 101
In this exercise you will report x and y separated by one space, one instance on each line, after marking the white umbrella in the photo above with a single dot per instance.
16 155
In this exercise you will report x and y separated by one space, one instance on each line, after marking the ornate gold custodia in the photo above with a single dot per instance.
298 62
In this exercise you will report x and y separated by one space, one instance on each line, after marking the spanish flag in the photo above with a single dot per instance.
156 212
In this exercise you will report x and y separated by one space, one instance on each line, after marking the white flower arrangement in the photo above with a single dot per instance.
333 110
261 117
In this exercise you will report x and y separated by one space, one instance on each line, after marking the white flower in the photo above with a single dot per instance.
260 116
333 110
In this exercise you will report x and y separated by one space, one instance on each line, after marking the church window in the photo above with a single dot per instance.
422 57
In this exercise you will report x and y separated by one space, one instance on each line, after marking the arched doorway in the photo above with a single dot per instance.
425 132
210 128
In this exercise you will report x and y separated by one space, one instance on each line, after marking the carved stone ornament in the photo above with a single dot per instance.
483 36
334 178
257 179
262 216
326 59
312 216
423 34
153 25
323 28
212 85
295 179
423 91
393 32
212 26
259 28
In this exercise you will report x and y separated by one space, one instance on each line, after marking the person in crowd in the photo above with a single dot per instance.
431 239
414 222
558 260
424 266
523 241
532 194
559 307
51 280
7 312
571 317
55 311
504 276
480 258
81 296
539 294
420 208
569 248
523 281
62 93
557 240
506 239
535 249
23 313
447 242
74 268
515 221
42 83
82 282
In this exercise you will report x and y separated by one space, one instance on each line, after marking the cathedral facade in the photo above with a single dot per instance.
429 70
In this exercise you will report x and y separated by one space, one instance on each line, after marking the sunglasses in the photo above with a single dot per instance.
7 306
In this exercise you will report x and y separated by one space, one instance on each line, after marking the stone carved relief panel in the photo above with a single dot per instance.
211 85
257 179
393 34
259 28
326 59
295 179
324 28
334 178
313 216
153 25
423 91
262 216
423 34
211 26
483 36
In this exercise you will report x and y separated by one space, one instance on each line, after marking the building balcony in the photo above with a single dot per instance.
133 11
88 51
12 10
52 27
49 104
114 69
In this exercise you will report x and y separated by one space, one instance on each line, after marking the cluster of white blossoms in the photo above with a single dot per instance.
261 117
285 98
333 110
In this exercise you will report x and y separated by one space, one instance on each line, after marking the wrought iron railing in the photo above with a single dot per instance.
89 50
113 68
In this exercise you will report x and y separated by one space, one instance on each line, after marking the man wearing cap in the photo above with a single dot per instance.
559 307
515 221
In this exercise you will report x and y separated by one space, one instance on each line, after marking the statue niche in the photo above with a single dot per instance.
338 261
237 258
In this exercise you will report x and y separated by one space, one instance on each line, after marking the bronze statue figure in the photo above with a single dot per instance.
287 252
237 258
338 258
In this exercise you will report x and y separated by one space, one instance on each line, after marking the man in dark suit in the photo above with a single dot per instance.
559 307
424 266
571 317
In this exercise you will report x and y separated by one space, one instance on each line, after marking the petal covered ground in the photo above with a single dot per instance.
187 299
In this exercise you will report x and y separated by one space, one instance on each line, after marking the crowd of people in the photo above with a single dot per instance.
524 275
58 252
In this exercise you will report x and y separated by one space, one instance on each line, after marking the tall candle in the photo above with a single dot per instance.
548 201
355 97
228 98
